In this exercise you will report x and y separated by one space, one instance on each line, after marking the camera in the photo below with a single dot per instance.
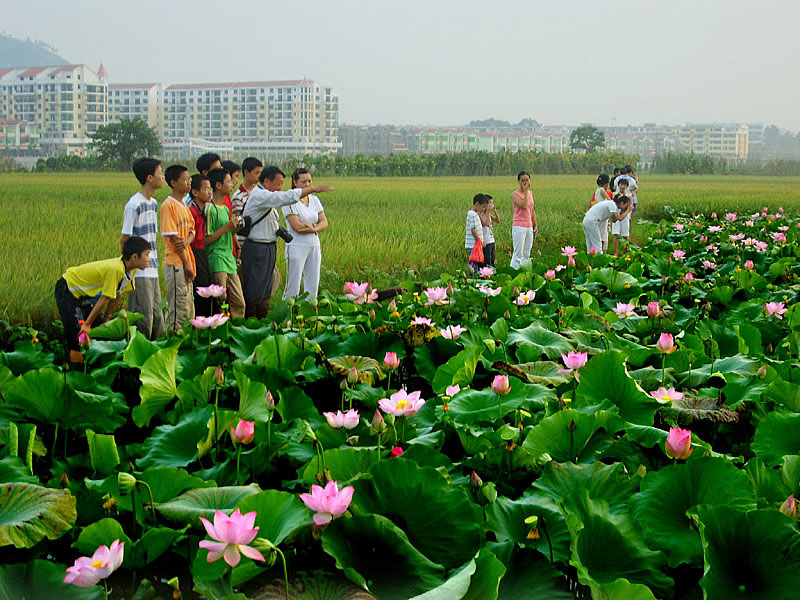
284 235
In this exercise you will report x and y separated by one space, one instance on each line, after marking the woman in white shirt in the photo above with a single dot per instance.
305 218
597 217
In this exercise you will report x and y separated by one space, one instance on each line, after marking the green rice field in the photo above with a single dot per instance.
381 229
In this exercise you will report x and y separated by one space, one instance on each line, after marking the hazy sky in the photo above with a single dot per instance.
446 63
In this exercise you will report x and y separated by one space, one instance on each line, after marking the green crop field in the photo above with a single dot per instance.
382 229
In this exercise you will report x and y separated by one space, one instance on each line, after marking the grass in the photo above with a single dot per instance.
382 229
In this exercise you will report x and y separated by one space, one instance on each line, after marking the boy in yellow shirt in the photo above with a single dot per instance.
89 290
178 231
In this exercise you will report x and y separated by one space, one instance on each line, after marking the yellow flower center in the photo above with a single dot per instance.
666 397
401 405
97 564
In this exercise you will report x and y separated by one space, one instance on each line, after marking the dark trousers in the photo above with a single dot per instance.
258 262
72 310
202 306
490 254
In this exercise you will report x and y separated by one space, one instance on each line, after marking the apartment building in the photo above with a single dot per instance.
435 141
727 140
273 118
65 102
18 137
137 101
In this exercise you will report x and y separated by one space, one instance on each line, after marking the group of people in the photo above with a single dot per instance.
612 203
212 235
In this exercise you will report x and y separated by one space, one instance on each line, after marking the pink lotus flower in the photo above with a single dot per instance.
713 215
679 443
402 404
84 340
592 252
713 249
709 266
452 390
360 293
500 385
678 254
774 309
779 237
525 298
575 360
624 310
571 259
211 291
688 277
550 275
437 295
749 223
736 238
232 534
396 451
783 228
328 502
748 265
654 310
560 268
663 394
761 246
715 229
211 322
703 238
789 507
244 433
338 420
569 251
666 344
731 216
485 272
87 572
679 226
452 332
489 291
390 361
422 321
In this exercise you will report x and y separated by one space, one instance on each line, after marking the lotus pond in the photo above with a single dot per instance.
623 428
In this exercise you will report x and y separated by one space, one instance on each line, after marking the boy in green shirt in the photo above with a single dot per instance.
219 241
86 291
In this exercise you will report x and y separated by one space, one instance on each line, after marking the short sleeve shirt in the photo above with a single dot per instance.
140 218
220 252
307 214
102 277
601 211
473 222
176 220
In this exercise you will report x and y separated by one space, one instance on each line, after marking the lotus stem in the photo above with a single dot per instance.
55 439
216 420
150 493
285 573
238 455
663 368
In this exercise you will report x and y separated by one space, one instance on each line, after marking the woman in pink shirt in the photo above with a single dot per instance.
524 228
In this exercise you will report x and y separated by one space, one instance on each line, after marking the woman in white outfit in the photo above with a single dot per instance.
305 218
595 223
524 228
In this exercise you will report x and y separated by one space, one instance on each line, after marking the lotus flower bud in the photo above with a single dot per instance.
396 451
501 385
126 482
269 401
390 361
789 507
309 435
679 443
219 376
762 371
475 481
392 308
378 424
352 375
64 480
572 426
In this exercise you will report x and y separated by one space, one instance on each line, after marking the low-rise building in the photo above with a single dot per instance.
18 137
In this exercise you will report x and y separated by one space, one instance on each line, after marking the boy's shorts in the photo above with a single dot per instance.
72 310
622 228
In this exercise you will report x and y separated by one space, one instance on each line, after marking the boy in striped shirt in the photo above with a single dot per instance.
140 218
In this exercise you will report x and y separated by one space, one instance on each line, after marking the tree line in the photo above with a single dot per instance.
677 163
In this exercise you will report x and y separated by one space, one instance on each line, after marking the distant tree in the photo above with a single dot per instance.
125 141
490 123
528 124
587 137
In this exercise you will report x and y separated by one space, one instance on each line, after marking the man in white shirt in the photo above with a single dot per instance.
259 249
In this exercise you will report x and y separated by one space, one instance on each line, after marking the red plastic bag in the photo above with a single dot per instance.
476 256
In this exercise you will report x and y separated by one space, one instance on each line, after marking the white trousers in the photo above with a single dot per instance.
302 262
594 233
522 238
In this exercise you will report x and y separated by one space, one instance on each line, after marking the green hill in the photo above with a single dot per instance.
27 53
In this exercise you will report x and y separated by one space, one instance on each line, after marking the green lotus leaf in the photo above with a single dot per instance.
252 394
279 514
440 521
609 546
204 502
29 512
139 349
40 394
370 548
176 445
737 364
777 435
751 555
41 580
667 495
484 406
13 469
114 329
620 284
607 482
158 385
167 482
785 393
529 571
456 586
544 371
102 532
367 368
243 339
540 341
343 464
459 370
604 377
572 435
197 390
485 582
506 518
281 354
769 487
103 453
